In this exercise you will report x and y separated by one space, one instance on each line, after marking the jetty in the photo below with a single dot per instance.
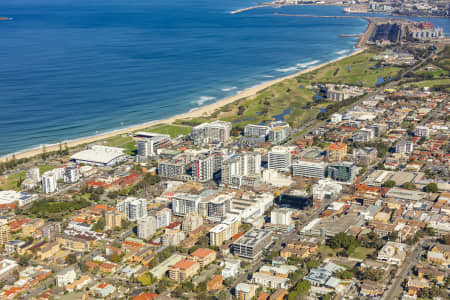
252 7
316 16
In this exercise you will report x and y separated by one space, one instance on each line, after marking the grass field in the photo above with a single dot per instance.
361 252
122 141
172 130
428 83
11 182
293 98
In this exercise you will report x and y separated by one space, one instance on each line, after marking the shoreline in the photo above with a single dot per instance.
193 113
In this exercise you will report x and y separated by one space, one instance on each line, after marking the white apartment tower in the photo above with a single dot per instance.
239 166
183 204
134 208
49 182
203 168
146 227
279 158
211 133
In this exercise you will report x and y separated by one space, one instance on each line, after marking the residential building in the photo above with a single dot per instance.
403 147
203 256
270 281
439 254
364 135
245 291
422 131
336 152
310 169
8 268
252 243
173 237
148 144
183 204
146 227
163 217
326 189
256 130
279 132
34 175
4 233
211 133
216 208
171 168
191 222
364 156
279 159
238 167
203 168
49 182
13 246
71 174
183 270
103 289
231 268
281 219
218 235
336 118
133 208
215 284
65 277
113 219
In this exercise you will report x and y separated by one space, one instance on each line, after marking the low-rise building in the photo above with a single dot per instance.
203 256
65 277
183 270
252 243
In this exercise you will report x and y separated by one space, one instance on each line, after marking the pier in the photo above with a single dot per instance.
251 7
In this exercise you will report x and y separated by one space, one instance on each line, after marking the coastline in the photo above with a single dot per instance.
198 112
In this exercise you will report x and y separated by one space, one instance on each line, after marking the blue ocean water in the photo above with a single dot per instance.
74 68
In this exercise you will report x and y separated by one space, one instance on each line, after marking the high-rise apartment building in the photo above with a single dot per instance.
203 168
183 203
113 219
146 227
235 168
279 158
211 133
133 208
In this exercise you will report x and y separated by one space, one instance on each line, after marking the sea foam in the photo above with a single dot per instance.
340 52
203 99
227 89
308 64
285 70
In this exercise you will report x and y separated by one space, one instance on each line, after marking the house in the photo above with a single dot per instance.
103 289
215 284
79 283
429 273
203 256
414 285
299 249
231 267
65 277
145 296
107 267
370 289
439 254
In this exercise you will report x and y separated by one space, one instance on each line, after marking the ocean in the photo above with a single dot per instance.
76 68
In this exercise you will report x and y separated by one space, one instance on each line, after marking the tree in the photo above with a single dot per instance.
71 259
390 183
409 186
342 240
431 188
100 225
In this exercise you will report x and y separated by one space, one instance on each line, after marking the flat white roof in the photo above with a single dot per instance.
96 156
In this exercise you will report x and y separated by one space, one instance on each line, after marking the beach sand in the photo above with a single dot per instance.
202 111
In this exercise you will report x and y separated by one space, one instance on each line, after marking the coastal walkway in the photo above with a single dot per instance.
315 16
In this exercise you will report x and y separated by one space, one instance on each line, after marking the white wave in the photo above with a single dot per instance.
203 99
308 64
340 52
227 89
284 70
268 76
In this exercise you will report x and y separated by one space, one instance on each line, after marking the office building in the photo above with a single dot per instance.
422 131
171 168
146 227
252 243
279 132
336 152
281 216
183 203
310 169
203 168
237 168
113 219
403 147
211 133
256 130
49 182
279 159
191 222
133 208
342 171
183 270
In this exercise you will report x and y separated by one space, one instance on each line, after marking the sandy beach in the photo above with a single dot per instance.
206 110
